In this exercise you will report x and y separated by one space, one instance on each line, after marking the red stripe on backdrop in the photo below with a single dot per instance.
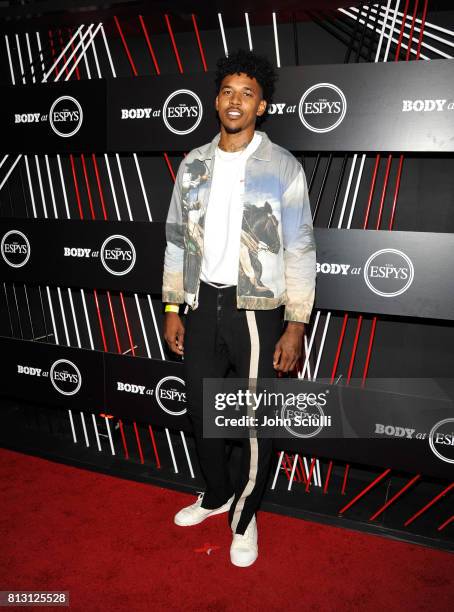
369 351
169 165
138 442
125 45
446 523
328 476
423 24
396 192
123 439
293 462
98 182
383 193
199 42
128 329
155 450
303 472
284 463
87 185
339 347
60 39
290 460
114 324
364 491
174 45
395 496
355 345
371 191
70 32
412 29
401 33
76 186
344 482
101 326
147 38
311 472
429 505
300 476
52 50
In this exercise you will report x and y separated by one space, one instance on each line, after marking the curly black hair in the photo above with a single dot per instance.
255 66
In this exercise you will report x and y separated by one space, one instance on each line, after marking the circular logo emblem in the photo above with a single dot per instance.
322 107
182 111
170 395
65 116
65 377
313 413
118 255
441 440
15 248
389 272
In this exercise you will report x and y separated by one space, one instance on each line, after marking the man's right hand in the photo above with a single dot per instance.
174 332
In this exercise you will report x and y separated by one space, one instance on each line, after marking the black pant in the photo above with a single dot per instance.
219 337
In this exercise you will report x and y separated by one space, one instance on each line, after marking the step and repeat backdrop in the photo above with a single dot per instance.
352 107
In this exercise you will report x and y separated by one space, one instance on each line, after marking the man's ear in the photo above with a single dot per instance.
216 102
262 107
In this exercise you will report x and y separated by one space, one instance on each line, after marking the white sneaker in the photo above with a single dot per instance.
244 549
194 514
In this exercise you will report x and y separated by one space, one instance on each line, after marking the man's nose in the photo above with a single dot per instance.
236 98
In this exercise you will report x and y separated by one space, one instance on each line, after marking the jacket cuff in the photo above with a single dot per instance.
300 315
173 297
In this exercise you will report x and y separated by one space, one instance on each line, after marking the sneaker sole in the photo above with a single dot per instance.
243 564
224 508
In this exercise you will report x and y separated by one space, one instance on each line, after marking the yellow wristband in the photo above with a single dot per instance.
171 308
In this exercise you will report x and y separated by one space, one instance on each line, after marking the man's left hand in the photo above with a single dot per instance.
289 347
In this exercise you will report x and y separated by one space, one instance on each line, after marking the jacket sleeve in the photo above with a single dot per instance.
172 282
299 246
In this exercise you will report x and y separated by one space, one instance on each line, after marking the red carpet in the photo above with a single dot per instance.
112 544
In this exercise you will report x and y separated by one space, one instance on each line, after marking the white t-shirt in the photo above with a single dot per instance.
223 217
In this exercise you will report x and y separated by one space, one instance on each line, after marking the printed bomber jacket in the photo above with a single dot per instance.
276 263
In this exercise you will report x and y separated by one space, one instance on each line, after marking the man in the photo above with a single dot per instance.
241 253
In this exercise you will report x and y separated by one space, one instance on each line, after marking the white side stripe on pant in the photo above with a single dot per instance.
253 373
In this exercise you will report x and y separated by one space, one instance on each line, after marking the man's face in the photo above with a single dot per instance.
239 102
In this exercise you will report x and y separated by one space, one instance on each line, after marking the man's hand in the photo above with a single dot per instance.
174 332
289 347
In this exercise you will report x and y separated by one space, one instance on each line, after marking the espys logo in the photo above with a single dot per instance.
389 272
305 423
441 440
118 255
65 116
182 112
322 107
15 248
170 395
65 377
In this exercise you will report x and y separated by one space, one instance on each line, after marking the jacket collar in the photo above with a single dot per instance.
263 151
